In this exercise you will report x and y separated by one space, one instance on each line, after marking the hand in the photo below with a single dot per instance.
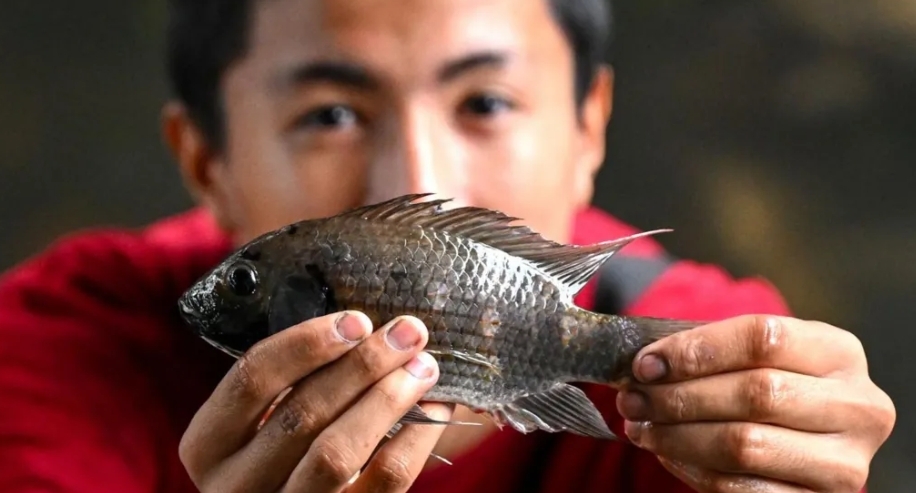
348 388
759 404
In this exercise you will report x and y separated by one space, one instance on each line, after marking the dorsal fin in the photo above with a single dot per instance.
572 265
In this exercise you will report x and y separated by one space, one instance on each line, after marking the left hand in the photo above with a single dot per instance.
759 404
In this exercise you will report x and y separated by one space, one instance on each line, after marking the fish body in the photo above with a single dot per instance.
497 301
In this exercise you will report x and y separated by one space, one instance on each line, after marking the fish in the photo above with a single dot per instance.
496 297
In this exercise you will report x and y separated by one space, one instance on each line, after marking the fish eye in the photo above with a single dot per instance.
242 280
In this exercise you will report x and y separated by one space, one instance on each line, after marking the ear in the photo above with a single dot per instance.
202 169
595 115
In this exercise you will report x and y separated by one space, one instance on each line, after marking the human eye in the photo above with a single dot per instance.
486 104
328 117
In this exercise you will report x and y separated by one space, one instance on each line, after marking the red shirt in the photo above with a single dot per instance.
99 379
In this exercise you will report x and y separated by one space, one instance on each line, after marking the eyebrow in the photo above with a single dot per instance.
335 72
355 76
474 61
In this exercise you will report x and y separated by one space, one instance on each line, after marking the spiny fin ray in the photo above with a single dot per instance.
416 415
474 359
561 408
572 265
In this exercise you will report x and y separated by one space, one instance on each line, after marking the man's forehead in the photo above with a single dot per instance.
419 35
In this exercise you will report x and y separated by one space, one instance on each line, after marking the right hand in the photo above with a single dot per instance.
349 386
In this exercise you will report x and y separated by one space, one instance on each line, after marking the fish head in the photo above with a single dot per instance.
227 307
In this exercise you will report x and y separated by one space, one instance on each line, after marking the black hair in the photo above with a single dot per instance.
206 36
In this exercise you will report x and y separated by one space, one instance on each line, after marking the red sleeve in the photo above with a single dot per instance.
707 292
80 411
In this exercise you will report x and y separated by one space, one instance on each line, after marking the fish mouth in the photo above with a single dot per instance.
189 310
196 312
197 317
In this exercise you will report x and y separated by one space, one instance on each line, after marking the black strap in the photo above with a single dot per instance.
622 280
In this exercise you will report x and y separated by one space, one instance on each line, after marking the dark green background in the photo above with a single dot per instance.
774 136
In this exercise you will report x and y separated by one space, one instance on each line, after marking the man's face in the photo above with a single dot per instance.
340 103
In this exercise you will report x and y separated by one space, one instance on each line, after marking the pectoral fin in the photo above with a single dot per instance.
416 415
562 408
396 428
474 359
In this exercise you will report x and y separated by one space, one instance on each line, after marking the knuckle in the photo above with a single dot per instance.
857 478
387 395
888 416
367 360
306 345
333 461
743 443
765 393
850 341
297 419
693 357
391 472
720 484
680 404
245 381
186 454
769 338
882 414
852 474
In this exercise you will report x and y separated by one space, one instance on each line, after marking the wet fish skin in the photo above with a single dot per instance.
497 300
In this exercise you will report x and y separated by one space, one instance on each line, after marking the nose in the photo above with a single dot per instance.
418 153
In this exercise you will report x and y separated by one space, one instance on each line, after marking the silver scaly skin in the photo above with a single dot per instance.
497 300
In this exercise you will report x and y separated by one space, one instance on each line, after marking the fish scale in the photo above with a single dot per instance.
497 301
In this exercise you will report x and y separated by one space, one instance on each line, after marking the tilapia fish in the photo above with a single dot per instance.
497 299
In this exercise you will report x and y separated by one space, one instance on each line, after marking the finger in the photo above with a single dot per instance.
819 462
748 342
229 417
399 462
767 396
705 480
346 446
317 401
420 440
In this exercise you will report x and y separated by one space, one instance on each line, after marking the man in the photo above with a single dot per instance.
303 108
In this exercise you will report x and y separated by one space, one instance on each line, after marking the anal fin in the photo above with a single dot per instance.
562 408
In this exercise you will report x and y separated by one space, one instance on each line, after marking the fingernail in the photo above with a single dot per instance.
634 430
403 335
633 405
651 368
421 366
351 328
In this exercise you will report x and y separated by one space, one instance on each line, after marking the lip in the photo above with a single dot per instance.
187 307
189 311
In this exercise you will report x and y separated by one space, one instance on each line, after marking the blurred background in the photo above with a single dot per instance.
774 136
